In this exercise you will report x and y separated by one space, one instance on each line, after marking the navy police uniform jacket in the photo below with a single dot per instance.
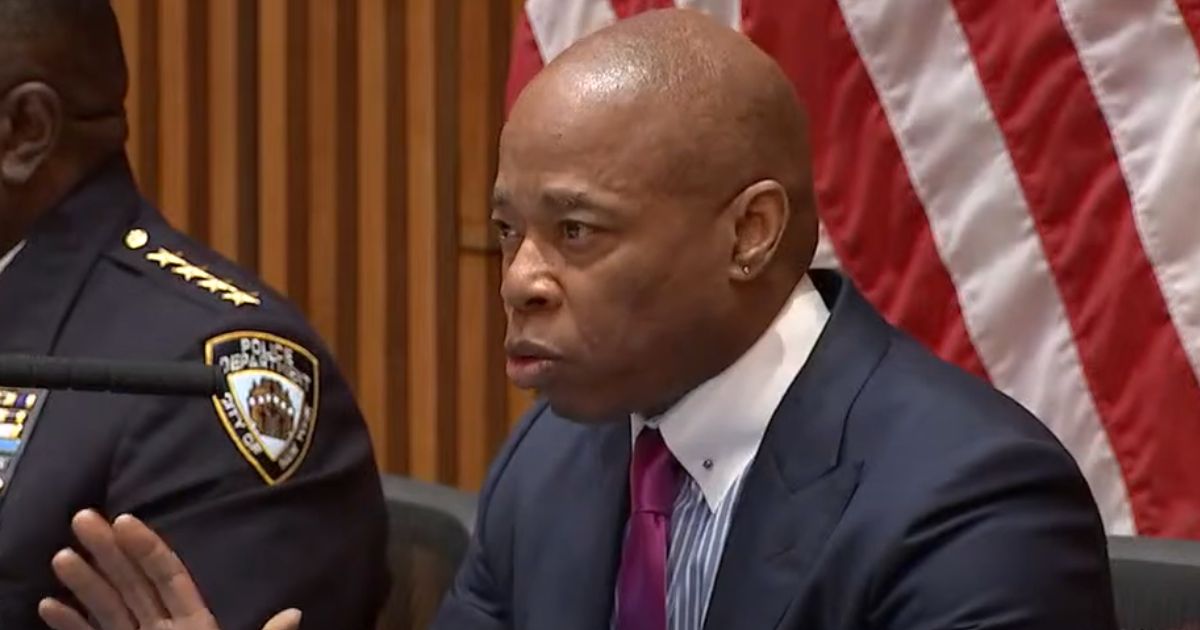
891 492
269 493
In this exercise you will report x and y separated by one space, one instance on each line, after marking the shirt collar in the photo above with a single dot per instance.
716 429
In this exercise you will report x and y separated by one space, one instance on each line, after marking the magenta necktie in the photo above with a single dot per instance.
654 478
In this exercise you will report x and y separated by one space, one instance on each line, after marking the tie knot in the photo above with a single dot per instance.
654 475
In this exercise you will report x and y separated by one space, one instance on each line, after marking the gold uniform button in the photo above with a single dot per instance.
136 238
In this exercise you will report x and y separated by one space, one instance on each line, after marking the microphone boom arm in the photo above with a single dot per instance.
167 378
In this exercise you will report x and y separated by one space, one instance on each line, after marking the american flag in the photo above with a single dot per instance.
1015 184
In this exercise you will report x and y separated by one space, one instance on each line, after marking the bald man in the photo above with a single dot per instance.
726 439
271 494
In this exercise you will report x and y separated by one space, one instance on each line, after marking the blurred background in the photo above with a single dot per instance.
345 150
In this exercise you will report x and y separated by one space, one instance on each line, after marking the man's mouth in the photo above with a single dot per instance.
530 364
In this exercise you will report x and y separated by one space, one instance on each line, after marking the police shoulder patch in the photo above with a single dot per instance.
269 408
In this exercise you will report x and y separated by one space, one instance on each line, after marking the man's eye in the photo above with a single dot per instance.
504 231
574 230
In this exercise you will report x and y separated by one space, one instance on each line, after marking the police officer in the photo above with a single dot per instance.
269 493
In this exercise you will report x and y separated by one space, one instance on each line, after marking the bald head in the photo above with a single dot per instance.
654 210
707 112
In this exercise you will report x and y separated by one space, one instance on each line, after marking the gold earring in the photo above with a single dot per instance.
745 269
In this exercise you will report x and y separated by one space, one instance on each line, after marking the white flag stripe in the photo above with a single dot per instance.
1147 82
556 24
728 12
959 165
825 257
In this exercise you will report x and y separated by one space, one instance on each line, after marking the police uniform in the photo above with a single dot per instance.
268 493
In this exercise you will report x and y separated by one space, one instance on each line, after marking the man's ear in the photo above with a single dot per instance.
761 215
30 124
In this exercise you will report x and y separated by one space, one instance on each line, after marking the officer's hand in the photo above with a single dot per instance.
137 583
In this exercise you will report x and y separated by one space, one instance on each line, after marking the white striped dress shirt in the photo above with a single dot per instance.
715 432
697 540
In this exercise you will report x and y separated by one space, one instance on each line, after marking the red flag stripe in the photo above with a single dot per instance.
1190 9
879 228
1129 350
525 61
626 8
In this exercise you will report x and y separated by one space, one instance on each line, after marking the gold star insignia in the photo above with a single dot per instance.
215 285
189 272
165 258
239 298
179 266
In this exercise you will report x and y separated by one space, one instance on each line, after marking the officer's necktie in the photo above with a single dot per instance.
654 478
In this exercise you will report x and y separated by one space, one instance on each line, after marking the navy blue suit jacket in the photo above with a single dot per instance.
892 491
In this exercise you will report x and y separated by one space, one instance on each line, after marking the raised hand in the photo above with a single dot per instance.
134 582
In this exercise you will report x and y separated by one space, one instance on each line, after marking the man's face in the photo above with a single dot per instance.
611 281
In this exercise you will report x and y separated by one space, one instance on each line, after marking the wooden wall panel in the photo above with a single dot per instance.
382 318
139 31
430 94
345 149
183 79
283 196
233 140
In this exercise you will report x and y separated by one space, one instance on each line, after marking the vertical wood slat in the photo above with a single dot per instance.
282 233
430 243
274 145
344 149
231 129
138 20
178 135
382 316
324 89
347 166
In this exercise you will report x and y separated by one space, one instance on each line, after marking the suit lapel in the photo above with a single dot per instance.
38 289
581 551
776 535
798 486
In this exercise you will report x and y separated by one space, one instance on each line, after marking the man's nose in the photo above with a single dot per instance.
529 283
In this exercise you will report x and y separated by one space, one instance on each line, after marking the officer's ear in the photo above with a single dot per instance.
30 124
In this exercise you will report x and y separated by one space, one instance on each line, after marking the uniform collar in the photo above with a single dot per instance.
716 429
39 287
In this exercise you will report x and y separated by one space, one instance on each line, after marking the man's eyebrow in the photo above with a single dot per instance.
555 202
564 201
500 200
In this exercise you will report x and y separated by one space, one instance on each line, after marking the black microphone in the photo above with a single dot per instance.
166 378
